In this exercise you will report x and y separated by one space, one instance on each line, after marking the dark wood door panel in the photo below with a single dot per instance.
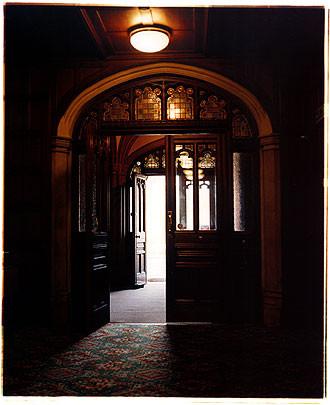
91 280
194 252
196 283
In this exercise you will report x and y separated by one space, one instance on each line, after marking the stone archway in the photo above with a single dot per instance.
269 187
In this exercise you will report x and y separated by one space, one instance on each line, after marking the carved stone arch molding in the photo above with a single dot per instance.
269 185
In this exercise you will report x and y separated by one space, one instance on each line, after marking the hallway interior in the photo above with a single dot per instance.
145 305
203 166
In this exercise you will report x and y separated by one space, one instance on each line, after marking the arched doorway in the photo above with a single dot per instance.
269 185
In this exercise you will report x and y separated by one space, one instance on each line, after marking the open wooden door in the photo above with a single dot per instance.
194 250
90 230
139 230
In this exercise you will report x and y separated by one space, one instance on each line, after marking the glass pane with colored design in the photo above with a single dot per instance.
207 186
184 187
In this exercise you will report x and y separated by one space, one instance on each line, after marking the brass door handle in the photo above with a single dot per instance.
169 220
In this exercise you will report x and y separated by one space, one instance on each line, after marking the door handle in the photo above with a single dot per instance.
169 220
137 236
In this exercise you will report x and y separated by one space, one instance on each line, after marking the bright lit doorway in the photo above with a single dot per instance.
147 304
155 229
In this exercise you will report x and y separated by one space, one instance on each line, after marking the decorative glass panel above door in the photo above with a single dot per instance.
180 103
148 105
116 110
207 186
184 187
240 125
213 109
164 100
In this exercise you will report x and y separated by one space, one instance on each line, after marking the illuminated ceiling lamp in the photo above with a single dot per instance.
149 37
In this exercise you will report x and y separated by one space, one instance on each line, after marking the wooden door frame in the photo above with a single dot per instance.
270 197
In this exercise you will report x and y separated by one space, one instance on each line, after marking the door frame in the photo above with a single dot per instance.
61 160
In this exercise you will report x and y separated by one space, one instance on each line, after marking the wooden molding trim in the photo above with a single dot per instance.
66 124
270 213
270 141
61 144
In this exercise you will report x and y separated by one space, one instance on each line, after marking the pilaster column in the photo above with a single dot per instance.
61 231
271 229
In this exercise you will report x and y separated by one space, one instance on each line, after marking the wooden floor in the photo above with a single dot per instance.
143 305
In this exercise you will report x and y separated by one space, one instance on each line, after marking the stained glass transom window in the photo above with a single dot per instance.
240 125
116 110
180 103
148 105
213 109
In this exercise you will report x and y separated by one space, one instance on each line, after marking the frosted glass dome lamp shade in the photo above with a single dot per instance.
149 39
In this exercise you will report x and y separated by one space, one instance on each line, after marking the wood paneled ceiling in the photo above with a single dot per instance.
109 27
66 33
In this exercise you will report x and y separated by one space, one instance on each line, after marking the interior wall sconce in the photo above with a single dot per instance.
149 37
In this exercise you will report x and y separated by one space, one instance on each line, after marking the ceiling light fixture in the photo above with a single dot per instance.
149 38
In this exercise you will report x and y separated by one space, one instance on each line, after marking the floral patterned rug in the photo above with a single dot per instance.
165 361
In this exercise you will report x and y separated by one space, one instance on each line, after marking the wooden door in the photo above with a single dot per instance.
194 248
90 231
139 230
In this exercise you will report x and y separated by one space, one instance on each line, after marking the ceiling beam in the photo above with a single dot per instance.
102 48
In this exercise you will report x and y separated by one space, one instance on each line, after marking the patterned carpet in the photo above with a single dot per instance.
165 361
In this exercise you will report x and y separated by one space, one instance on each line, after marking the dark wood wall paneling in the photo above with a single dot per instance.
302 196
27 194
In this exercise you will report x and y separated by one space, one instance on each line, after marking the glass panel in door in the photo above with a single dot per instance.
207 186
184 187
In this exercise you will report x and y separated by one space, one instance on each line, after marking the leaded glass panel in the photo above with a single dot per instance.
151 161
116 110
207 186
206 158
213 109
180 103
184 187
148 105
240 125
